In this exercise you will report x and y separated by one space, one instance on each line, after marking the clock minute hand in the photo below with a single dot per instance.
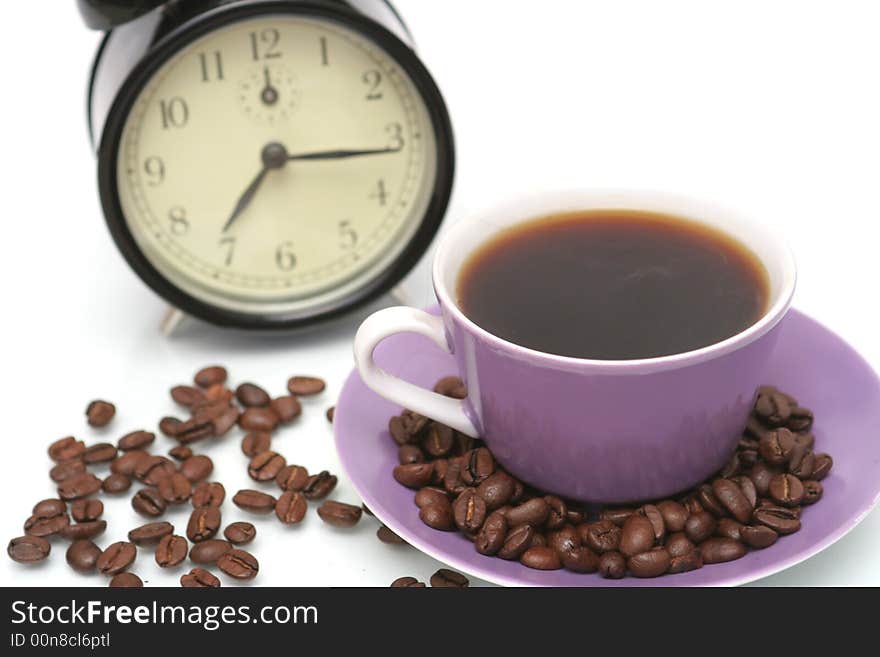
245 200
341 154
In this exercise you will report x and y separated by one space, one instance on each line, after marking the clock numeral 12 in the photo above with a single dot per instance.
175 112
284 256
206 64
348 236
264 45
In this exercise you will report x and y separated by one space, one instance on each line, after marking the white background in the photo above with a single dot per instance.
767 107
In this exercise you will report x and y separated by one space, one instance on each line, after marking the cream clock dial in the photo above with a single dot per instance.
277 162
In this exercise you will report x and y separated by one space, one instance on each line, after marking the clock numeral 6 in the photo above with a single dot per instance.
175 112
229 244
264 44
179 222
284 256
373 80
395 132
348 236
154 167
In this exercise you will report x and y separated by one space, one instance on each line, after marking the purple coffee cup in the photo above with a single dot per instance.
604 431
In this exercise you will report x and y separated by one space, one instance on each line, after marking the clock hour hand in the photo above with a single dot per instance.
340 154
274 156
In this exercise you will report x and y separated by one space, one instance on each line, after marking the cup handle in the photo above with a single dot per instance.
401 319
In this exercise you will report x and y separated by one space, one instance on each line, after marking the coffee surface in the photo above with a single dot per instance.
613 285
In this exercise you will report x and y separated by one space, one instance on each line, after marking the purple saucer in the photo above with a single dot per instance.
811 362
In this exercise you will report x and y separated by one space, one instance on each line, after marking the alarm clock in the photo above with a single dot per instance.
266 164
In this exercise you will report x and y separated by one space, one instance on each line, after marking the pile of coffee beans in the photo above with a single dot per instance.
755 499
442 579
182 478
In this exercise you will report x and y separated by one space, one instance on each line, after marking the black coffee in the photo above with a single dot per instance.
613 285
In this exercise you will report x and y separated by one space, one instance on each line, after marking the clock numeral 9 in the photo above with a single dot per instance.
175 112
373 80
395 132
154 167
229 244
348 236
284 257
381 194
207 66
179 223
264 44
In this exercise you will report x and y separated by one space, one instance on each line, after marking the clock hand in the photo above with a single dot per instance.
340 154
269 95
274 156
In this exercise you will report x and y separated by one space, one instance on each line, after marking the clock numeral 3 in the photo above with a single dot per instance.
395 132
179 222
154 167
211 66
380 194
264 44
284 257
373 80
229 244
175 112
348 236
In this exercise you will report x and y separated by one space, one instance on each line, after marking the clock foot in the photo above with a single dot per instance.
170 321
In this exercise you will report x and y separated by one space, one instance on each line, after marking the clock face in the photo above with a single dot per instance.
277 163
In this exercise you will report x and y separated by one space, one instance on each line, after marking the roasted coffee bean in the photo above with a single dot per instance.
224 422
439 440
652 563
291 507
557 513
83 530
148 502
801 462
517 541
564 539
709 502
398 430
731 497
407 454
491 536
678 544
82 556
430 495
203 523
776 446
575 516
50 507
171 551
79 485
807 440
28 549
496 490
674 515
407 583
822 464
67 469
440 468
116 483
684 563
580 559
197 428
720 550
541 558
812 492
773 407
209 376
319 486
755 428
469 511
292 477
330 413
476 466
99 453
438 515
758 536
208 493
453 481
538 540
199 578
692 504
414 475
700 526
187 395
239 564
150 534
250 394
303 386
786 489
287 408
127 463
612 565
728 528
451 386
116 558
181 452
730 468
747 486
175 489
389 537
135 440
152 469
637 535
801 419
99 413
652 513
258 419
256 442
197 468
761 475
86 510
266 466
170 426
254 501
46 525
126 581
617 516
218 392
748 458
534 512
65 449
338 514
601 536
240 533
779 519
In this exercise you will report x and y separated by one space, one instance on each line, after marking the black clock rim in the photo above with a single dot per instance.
192 29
